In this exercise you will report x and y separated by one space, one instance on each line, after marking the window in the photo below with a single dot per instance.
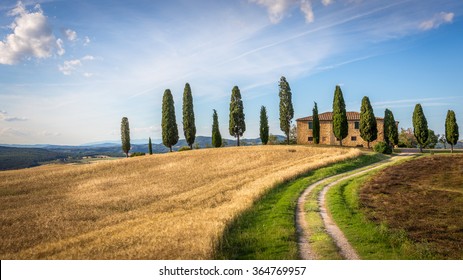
356 125
310 139
353 138
310 125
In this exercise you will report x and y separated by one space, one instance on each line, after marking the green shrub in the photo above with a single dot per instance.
382 148
184 148
137 154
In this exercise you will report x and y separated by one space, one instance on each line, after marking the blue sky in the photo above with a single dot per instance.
70 70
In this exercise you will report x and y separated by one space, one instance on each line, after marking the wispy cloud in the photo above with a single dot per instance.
69 66
71 35
14 132
403 103
276 9
327 2
6 117
437 20
86 41
60 47
306 9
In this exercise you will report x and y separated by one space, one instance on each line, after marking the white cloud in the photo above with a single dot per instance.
4 116
61 50
437 20
327 2
306 8
276 9
31 36
71 35
86 41
69 66
88 57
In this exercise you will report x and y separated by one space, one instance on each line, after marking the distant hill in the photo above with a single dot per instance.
15 158
22 156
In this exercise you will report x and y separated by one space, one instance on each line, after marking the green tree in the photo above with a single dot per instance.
189 128
407 139
125 136
432 139
286 107
340 128
150 147
169 123
420 126
237 126
368 125
451 129
272 139
391 133
442 140
263 125
293 134
315 124
216 136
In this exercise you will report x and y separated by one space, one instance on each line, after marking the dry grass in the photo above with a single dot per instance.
170 206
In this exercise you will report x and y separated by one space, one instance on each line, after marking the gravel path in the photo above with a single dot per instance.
346 250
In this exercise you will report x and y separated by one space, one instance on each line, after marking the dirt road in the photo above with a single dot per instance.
345 248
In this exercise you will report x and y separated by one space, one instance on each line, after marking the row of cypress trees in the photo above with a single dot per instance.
237 126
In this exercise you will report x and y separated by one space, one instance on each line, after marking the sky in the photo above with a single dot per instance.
70 70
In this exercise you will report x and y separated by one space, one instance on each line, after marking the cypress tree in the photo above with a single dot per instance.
391 133
125 136
189 128
263 125
216 136
368 126
286 107
315 125
169 124
340 128
420 126
150 147
451 129
237 126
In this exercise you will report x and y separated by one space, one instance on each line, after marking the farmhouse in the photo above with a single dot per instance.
305 130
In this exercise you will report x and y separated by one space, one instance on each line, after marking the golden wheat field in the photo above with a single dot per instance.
169 206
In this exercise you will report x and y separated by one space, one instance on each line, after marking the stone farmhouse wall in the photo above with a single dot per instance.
353 139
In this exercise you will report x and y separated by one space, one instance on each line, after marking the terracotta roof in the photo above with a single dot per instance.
328 116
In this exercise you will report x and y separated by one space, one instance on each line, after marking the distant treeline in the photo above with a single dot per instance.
14 158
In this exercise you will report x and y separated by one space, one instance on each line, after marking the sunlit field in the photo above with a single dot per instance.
169 206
